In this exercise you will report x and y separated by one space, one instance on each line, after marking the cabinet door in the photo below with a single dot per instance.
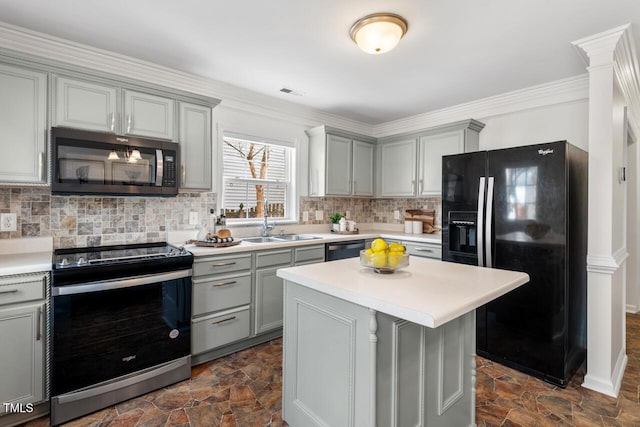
195 146
432 148
338 174
398 168
22 354
269 289
23 102
85 105
148 115
362 169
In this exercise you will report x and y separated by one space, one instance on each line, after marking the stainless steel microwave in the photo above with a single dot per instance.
100 163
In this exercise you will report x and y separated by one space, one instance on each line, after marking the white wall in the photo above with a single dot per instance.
567 121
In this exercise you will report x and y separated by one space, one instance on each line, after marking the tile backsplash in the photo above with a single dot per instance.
367 210
76 221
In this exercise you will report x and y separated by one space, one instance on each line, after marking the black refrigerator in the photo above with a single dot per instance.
524 209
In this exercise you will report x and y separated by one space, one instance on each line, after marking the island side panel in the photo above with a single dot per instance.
326 369
426 376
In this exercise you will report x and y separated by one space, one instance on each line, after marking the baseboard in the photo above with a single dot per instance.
632 308
608 386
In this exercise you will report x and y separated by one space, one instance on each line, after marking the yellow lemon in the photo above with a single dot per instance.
379 245
396 247
394 258
379 259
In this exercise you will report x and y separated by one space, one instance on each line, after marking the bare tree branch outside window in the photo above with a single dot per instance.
253 155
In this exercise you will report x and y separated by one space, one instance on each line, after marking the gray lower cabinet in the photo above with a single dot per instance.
268 299
23 116
425 250
221 299
237 298
23 328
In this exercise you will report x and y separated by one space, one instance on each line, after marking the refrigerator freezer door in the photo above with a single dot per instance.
461 175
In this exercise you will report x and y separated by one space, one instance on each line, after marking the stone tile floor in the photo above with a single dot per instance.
244 390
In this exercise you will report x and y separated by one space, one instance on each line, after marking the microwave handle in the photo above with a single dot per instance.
159 167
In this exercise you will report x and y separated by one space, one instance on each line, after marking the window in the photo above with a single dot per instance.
255 172
521 185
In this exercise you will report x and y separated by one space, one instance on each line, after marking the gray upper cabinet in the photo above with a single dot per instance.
397 168
85 105
23 126
148 115
195 146
338 170
108 108
401 175
340 163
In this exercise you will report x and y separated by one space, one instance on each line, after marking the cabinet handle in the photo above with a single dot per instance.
231 282
223 320
223 264
421 187
38 329
423 250
41 166
355 187
413 186
184 174
12 291
113 121
128 123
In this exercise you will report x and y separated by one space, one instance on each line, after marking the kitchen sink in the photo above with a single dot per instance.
278 239
261 240
291 237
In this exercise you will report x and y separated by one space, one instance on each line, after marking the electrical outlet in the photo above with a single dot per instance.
319 215
8 222
396 214
193 218
347 215
305 216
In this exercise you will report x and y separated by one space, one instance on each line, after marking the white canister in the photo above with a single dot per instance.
417 227
408 226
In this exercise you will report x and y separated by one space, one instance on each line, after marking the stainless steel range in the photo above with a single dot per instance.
121 324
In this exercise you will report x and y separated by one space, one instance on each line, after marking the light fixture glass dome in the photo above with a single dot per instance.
379 32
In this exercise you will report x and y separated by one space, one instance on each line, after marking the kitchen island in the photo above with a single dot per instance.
367 349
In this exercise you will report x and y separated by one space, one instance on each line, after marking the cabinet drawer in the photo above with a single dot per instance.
220 293
424 250
222 264
266 259
22 288
309 253
214 331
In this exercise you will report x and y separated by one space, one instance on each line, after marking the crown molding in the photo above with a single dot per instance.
74 54
600 47
627 74
557 92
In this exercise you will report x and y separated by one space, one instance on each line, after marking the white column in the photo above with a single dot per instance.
606 355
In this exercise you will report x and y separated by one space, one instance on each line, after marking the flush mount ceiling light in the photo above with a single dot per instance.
378 32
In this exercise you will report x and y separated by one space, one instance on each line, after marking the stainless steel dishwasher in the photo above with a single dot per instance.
342 250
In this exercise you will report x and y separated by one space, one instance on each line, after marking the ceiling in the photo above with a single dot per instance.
454 51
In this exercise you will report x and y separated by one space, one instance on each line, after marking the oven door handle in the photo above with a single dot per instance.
119 284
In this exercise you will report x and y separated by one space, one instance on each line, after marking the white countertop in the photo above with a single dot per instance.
428 292
323 238
25 255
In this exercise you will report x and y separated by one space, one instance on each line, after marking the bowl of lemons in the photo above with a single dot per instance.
383 257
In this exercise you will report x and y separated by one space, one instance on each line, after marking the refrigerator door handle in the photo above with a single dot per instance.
489 220
479 222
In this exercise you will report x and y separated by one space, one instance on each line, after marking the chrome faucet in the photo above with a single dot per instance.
266 227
